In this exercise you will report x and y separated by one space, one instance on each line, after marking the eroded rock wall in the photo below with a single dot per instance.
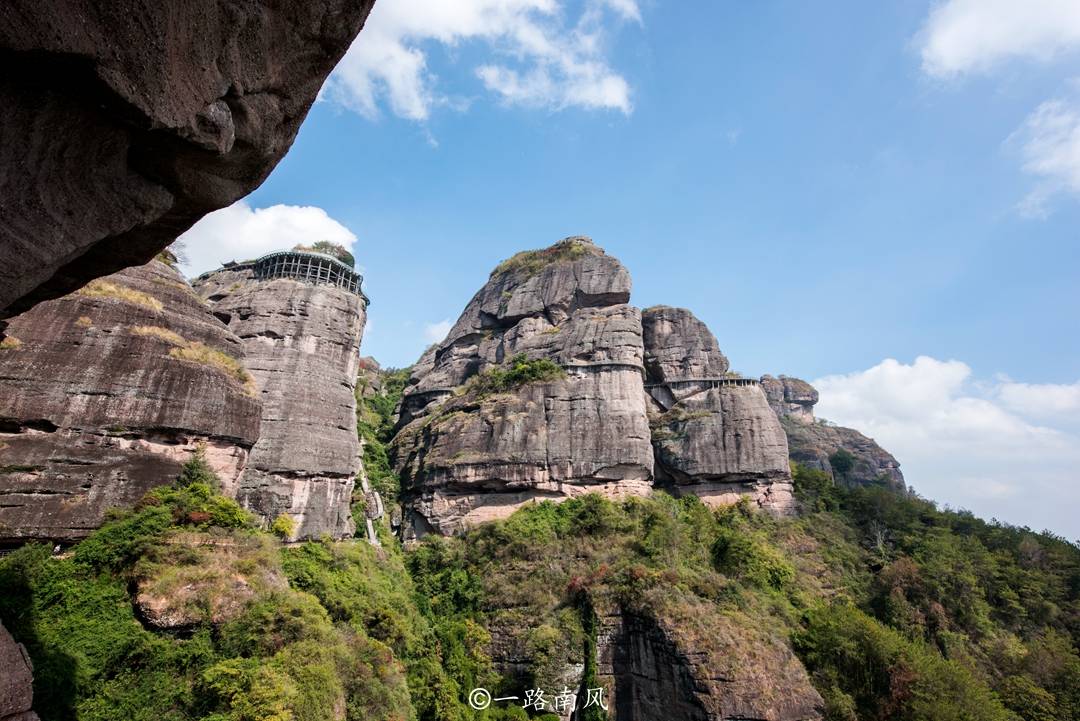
466 457
302 345
125 121
106 392
714 434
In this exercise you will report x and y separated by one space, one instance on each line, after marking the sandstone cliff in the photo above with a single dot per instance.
466 455
714 433
302 345
814 442
126 121
16 680
104 394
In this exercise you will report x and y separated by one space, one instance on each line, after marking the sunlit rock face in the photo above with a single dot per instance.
714 433
126 121
302 345
466 457
814 442
105 393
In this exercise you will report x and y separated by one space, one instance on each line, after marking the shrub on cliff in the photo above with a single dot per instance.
520 371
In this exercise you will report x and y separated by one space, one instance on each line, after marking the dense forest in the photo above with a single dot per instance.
182 608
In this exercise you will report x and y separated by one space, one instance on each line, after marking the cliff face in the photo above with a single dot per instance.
16 680
467 456
813 442
125 122
302 346
715 435
106 392
712 667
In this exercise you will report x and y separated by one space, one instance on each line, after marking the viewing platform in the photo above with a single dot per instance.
705 382
304 266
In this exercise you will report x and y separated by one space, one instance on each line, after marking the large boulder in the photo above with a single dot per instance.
714 433
106 392
125 121
467 452
302 342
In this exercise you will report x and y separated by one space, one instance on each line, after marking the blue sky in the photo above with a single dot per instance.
828 185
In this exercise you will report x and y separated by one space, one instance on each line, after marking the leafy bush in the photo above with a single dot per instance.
518 372
531 262
842 461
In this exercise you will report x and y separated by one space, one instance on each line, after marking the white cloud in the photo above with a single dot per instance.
436 332
1049 143
965 36
240 231
999 448
541 58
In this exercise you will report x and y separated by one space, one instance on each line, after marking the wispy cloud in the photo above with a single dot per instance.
997 447
538 57
1049 142
966 36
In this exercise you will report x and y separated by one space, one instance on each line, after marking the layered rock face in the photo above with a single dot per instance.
16 680
812 442
790 397
126 121
466 456
302 345
714 434
106 392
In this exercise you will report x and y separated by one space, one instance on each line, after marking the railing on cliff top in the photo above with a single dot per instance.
305 266
705 382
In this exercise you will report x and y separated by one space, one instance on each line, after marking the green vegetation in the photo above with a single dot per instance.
277 655
10 343
842 461
518 372
326 247
197 352
531 262
375 414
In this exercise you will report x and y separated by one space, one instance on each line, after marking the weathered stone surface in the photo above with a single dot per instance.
302 343
466 458
16 680
699 665
96 408
679 346
125 121
813 444
790 397
714 435
811 441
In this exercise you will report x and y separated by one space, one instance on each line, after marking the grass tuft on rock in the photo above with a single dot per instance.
10 343
104 289
197 352
531 262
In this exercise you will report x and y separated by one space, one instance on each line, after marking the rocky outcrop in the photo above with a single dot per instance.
815 442
703 666
790 397
126 121
106 392
16 680
302 344
714 433
467 454
816 445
